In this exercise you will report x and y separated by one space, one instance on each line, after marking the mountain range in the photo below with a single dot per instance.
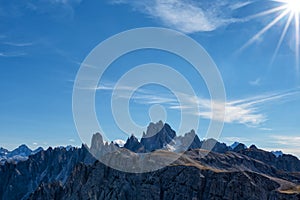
19 154
227 172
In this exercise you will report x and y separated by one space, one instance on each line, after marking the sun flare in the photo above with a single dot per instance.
288 11
293 5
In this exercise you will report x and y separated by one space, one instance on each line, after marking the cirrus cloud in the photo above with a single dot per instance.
189 16
248 111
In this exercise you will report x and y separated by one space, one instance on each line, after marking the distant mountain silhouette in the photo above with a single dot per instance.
19 154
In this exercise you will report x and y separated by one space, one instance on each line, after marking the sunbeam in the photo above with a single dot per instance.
288 7
282 37
265 29
297 39
267 12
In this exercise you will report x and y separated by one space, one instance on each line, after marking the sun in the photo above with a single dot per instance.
288 11
293 6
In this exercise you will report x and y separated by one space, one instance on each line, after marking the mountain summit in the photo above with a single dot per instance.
157 136
238 173
19 154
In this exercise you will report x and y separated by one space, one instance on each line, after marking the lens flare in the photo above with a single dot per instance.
293 5
288 10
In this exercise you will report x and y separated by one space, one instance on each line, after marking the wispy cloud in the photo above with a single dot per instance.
189 16
239 5
65 1
288 144
11 54
16 44
83 64
287 140
255 82
71 140
55 8
13 49
248 111
141 96
241 113
265 129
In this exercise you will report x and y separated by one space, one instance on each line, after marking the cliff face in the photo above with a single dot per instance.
19 180
62 174
157 136
224 173
283 162
183 180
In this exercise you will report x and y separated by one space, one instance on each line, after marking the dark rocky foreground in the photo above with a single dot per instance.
225 173
186 179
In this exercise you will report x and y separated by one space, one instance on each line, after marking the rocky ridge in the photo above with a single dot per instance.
223 173
19 154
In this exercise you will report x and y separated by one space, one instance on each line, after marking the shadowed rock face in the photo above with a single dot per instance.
97 142
19 154
162 136
189 141
134 145
212 177
284 162
225 173
214 145
61 174
240 147
19 180
157 136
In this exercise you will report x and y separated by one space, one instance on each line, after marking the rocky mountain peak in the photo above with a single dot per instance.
133 144
22 150
234 145
154 128
97 145
247 173
97 141
240 147
214 145
157 136
37 150
190 140
253 147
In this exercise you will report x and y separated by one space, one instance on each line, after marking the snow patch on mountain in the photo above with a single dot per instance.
19 154
119 142
277 153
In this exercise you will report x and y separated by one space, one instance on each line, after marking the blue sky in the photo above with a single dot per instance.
42 44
